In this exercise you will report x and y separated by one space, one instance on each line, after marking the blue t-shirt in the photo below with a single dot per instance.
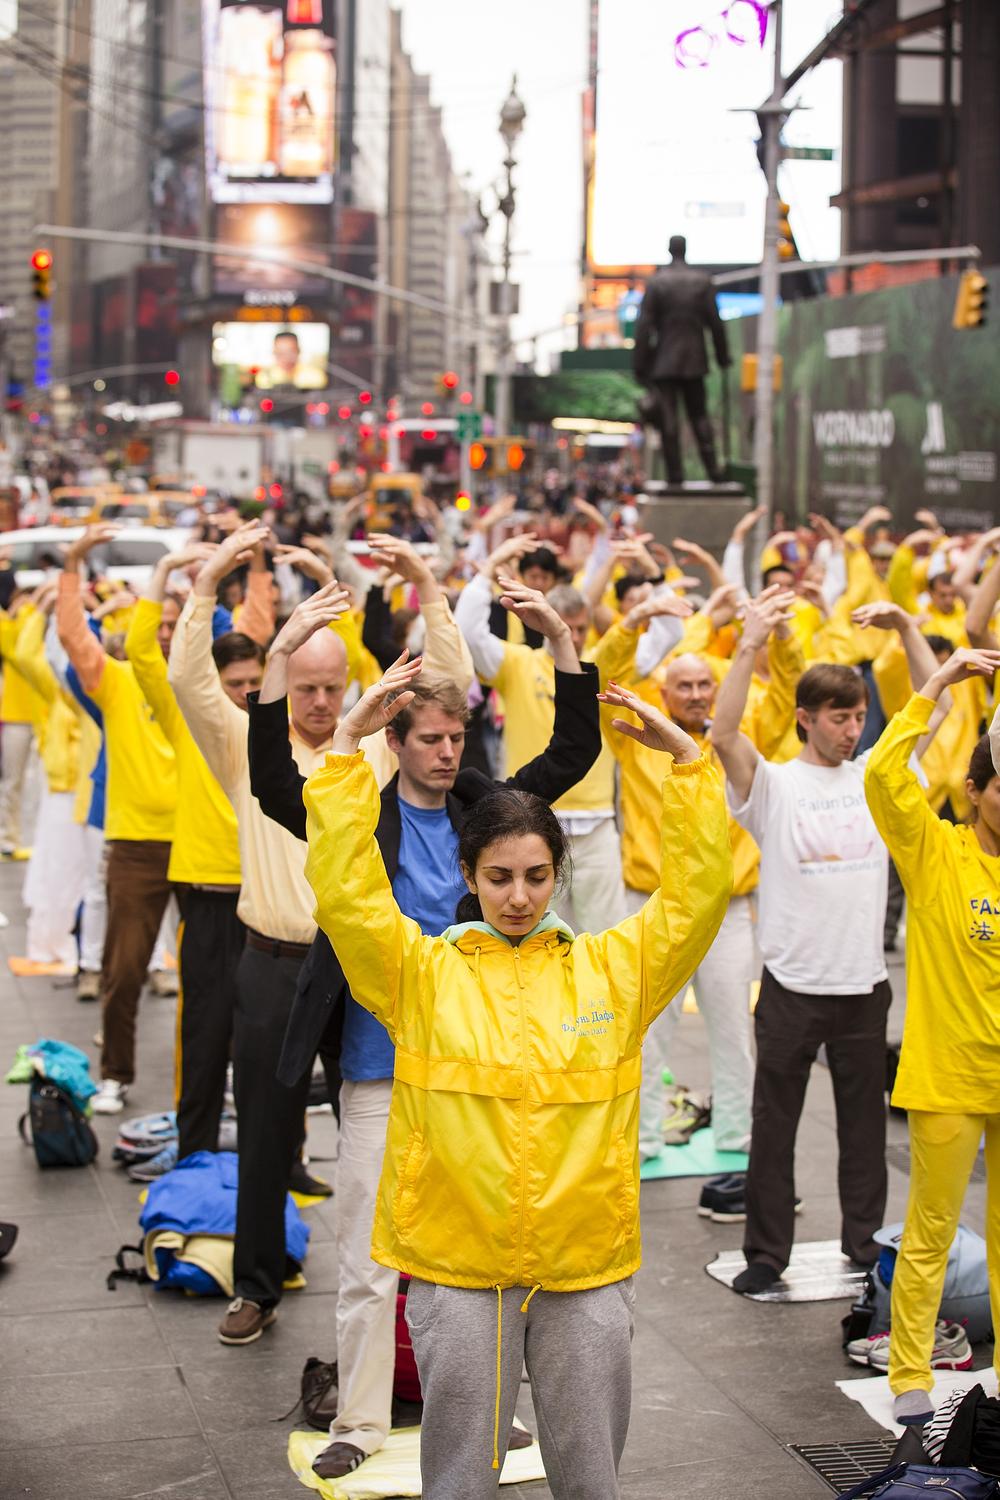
427 888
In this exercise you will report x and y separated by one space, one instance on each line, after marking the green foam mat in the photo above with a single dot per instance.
698 1158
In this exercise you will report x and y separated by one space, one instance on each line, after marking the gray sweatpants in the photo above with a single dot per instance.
576 1347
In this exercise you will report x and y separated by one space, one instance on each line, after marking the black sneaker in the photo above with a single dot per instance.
338 1460
302 1181
723 1199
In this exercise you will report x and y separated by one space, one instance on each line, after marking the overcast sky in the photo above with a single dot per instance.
471 50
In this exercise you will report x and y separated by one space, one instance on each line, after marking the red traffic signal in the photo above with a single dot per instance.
172 377
466 398
427 410
344 413
365 397
267 404
449 380
42 260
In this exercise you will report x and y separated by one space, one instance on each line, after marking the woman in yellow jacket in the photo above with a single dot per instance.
949 1068
510 1189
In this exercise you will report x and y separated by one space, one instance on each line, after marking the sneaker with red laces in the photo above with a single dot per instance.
245 1321
952 1350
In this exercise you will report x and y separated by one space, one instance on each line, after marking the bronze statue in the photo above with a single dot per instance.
678 307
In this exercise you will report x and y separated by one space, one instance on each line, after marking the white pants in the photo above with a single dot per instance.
366 1292
53 885
15 751
595 898
94 921
722 988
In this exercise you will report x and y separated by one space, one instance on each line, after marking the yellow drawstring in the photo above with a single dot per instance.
479 977
496 1413
496 1410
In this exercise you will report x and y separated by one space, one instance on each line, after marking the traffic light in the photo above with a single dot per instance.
172 377
972 302
447 383
41 279
515 456
478 456
786 239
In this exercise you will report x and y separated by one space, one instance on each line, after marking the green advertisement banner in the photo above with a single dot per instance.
882 402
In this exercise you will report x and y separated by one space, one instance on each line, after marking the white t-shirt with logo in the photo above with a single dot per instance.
823 876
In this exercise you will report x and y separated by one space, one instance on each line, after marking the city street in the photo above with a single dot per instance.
108 1395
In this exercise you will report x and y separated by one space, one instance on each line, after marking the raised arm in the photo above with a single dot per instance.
84 651
445 653
649 957
913 833
383 954
472 612
776 713
29 650
218 726
983 605
142 647
738 755
275 779
732 557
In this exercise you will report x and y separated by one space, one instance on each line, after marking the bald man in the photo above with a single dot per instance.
686 688
276 905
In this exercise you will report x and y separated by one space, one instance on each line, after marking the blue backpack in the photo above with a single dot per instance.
60 1133
910 1481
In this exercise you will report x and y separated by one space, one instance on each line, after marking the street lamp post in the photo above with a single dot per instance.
511 123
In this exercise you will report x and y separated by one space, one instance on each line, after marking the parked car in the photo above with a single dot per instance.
129 557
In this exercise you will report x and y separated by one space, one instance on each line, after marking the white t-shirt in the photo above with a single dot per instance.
823 876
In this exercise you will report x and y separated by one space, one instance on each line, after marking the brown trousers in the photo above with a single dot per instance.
138 891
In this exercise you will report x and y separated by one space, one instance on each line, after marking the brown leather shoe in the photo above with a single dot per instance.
337 1460
245 1321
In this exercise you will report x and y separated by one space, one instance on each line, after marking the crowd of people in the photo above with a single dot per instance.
455 815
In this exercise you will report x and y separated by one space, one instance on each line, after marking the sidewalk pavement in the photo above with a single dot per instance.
107 1395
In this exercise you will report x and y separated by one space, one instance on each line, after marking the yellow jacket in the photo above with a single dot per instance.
950 1060
512 1148
946 758
18 704
527 683
61 745
766 722
205 849
142 773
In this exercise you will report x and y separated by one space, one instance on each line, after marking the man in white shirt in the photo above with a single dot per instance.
822 896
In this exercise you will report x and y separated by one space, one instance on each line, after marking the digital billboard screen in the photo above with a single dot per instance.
270 90
301 230
675 131
273 356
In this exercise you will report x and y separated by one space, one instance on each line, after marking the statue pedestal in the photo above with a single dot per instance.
699 512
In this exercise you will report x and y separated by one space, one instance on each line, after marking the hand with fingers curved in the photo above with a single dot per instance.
238 547
882 615
769 611
379 705
94 536
327 605
654 729
963 663
306 560
509 551
657 604
746 524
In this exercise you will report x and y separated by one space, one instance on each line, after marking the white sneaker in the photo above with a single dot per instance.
110 1097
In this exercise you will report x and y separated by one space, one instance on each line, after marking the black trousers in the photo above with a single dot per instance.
270 1120
209 943
669 395
790 1028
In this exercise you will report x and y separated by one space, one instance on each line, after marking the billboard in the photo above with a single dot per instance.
883 402
270 94
301 230
273 356
670 141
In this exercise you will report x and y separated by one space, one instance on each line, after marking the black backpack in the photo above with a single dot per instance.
60 1133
